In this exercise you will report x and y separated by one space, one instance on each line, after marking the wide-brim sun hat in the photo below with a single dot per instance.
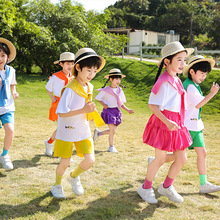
173 48
11 48
85 53
197 59
115 72
66 56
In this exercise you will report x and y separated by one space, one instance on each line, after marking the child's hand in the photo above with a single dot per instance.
105 106
172 126
89 107
214 88
54 99
15 94
0 80
130 111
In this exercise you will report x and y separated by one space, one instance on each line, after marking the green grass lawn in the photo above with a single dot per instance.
111 184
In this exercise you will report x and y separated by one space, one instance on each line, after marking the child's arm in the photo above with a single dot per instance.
214 90
14 92
53 98
170 124
130 111
103 104
88 107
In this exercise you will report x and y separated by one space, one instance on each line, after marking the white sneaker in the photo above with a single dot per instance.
57 192
49 148
96 136
208 188
76 185
147 195
112 150
6 162
170 193
150 160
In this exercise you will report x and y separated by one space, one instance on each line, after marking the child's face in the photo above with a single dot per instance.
67 67
177 64
199 76
3 59
85 74
115 82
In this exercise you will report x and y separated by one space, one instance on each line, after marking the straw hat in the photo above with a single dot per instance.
114 72
173 48
86 53
11 48
197 59
66 56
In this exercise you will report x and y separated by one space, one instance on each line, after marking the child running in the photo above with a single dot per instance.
75 109
165 130
7 107
196 72
112 98
54 86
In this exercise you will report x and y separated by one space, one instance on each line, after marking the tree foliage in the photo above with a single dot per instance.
41 31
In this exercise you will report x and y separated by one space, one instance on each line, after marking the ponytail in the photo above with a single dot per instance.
159 71
122 86
105 83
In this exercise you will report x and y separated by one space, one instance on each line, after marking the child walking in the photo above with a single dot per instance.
196 72
165 130
75 109
54 86
112 98
7 107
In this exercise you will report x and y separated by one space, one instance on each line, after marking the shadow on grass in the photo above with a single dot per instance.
30 208
119 204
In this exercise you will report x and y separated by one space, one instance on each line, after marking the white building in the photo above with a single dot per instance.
136 37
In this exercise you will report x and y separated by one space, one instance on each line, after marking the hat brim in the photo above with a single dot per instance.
188 50
11 48
58 61
186 69
107 76
73 71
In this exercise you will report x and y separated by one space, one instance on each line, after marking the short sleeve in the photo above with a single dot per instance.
50 83
193 95
100 96
65 100
13 78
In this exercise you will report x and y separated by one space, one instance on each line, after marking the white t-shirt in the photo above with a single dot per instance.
192 122
55 85
74 128
166 98
9 106
109 99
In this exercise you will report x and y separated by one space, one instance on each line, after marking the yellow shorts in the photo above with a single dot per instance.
64 149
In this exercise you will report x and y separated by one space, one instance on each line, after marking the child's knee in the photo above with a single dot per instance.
90 160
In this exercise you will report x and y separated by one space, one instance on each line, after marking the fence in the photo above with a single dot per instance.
142 55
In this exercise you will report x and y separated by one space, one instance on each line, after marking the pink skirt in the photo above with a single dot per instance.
157 135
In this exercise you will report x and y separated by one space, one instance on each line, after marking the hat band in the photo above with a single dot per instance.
84 54
118 73
195 60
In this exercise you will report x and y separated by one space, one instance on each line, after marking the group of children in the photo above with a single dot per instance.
169 129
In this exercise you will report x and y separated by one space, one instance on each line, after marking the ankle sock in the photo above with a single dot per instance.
168 182
77 172
50 141
147 184
99 134
58 180
5 152
203 179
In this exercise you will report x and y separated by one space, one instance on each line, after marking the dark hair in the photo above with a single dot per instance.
203 66
64 61
4 48
89 62
113 77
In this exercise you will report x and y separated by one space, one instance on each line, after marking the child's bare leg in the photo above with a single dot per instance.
180 160
53 135
201 160
160 159
170 157
61 168
9 134
105 132
112 131
89 160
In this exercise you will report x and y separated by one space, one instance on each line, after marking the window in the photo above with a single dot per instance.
161 40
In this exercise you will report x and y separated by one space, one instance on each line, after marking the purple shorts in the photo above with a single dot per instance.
111 116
